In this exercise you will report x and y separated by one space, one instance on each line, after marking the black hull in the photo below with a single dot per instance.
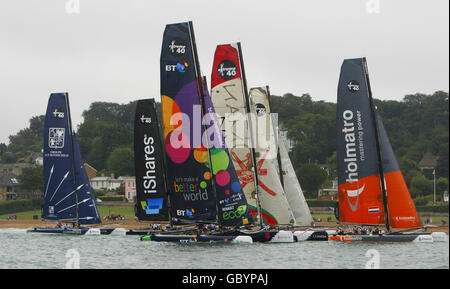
189 239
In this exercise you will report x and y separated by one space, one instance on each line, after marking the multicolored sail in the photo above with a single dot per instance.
228 97
402 212
232 204
272 195
359 191
151 190
189 175
67 192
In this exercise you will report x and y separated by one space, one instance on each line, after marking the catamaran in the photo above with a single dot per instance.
203 186
372 190
68 197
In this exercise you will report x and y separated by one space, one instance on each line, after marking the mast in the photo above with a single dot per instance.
280 168
73 159
377 143
201 91
247 104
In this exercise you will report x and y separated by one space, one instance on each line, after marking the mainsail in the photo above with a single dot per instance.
359 191
371 186
228 97
272 195
67 192
196 152
189 179
151 189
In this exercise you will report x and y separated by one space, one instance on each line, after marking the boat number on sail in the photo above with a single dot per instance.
177 47
150 165
227 69
353 86
56 138
260 109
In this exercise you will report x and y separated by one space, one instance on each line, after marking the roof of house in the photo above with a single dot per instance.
8 180
428 161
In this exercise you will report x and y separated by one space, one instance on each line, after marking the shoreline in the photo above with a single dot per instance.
133 224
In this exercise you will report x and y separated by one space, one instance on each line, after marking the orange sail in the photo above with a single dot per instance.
402 212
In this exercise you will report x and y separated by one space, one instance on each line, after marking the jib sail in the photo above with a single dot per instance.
189 175
151 191
288 177
402 212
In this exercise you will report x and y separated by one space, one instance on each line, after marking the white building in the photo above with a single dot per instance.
105 183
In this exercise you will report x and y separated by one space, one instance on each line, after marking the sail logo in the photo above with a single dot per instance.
350 159
181 66
353 86
147 120
260 109
56 137
227 69
152 206
192 192
149 178
230 215
177 47
58 113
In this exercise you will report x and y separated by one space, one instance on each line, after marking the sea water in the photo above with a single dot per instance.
19 249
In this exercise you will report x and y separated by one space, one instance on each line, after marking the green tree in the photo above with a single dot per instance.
311 177
31 178
121 162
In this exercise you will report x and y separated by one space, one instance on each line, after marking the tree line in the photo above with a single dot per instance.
418 125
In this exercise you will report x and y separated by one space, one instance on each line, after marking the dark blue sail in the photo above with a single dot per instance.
62 165
87 209
59 180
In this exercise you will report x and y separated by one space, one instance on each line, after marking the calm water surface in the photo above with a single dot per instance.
21 250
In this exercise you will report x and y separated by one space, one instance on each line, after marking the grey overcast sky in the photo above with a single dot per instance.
108 50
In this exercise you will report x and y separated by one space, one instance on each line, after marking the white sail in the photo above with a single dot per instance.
292 188
272 196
